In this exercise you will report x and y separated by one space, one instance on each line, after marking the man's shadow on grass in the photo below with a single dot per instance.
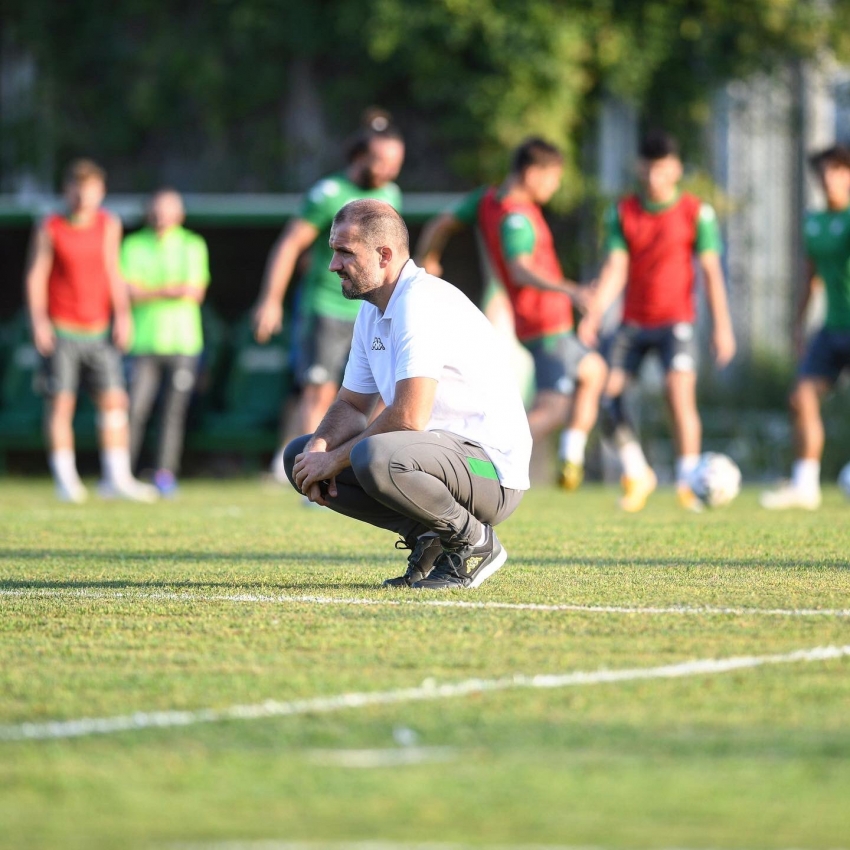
306 583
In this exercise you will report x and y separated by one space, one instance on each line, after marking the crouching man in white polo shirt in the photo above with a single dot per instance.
448 457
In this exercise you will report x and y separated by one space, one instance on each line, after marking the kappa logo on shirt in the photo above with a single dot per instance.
377 345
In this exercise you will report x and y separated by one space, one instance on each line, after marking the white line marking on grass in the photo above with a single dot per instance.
395 757
427 691
267 844
284 599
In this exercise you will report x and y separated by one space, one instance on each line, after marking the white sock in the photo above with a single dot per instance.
63 465
115 465
482 538
685 465
633 460
573 443
805 475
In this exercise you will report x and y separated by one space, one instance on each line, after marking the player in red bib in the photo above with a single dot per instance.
521 254
74 294
652 238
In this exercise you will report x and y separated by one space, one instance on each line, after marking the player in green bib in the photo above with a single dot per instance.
167 270
827 240
325 318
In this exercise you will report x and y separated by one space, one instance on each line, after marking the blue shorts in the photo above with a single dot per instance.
676 345
556 361
827 356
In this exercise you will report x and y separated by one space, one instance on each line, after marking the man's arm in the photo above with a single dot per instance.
433 240
723 336
811 283
611 283
298 236
193 286
345 425
522 273
122 326
38 274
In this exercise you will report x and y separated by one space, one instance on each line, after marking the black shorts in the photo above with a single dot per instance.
95 362
676 345
827 355
556 361
321 349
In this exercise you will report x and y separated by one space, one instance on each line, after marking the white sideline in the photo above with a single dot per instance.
283 599
271 844
428 690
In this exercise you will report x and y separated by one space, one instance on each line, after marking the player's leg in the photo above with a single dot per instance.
353 501
145 378
103 364
821 366
803 490
677 346
591 373
555 378
680 389
638 479
181 372
61 375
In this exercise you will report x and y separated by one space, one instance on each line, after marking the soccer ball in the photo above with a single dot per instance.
844 480
716 480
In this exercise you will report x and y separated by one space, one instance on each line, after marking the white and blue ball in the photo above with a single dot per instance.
716 480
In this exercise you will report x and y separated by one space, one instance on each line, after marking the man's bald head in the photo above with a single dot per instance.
377 224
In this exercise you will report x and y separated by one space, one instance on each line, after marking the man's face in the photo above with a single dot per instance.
660 177
166 210
358 266
381 163
542 181
85 195
836 183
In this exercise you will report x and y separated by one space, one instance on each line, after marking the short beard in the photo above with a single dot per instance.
358 293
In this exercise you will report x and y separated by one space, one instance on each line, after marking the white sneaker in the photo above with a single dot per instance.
132 489
788 496
74 492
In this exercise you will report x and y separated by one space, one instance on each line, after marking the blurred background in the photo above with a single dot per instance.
243 104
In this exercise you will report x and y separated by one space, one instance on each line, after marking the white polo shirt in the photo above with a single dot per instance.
430 329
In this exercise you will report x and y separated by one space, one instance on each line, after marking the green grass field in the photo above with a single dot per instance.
236 595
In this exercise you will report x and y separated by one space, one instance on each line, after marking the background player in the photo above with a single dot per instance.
827 238
651 241
167 270
74 290
521 251
325 320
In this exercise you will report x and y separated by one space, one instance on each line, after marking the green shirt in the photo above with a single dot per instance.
179 257
827 236
322 292
708 230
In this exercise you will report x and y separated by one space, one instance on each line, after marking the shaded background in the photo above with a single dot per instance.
239 102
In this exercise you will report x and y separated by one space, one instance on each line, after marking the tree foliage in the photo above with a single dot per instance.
194 90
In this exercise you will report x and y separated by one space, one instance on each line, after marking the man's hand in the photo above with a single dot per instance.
723 345
122 330
588 329
432 265
44 337
268 320
581 296
312 468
